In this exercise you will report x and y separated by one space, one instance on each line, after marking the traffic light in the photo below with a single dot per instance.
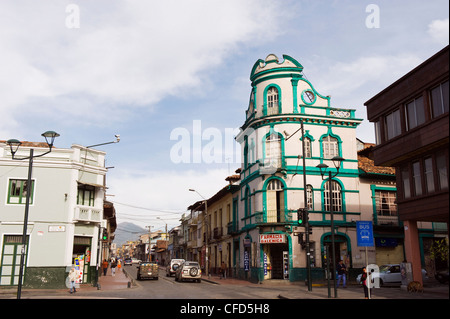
301 216
105 235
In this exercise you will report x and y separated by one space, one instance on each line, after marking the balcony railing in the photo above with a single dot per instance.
231 228
87 214
274 216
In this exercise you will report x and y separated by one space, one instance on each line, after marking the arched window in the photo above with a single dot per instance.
275 201
272 101
308 147
273 150
336 194
330 147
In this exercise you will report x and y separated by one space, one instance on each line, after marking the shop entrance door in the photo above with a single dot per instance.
276 259
82 256
339 243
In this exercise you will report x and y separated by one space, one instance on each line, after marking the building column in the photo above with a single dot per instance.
412 249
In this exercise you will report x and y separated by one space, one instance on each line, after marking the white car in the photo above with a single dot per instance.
189 270
135 260
390 274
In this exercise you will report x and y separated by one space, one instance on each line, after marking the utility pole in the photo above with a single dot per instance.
149 242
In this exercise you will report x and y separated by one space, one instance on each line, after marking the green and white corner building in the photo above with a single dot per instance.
272 188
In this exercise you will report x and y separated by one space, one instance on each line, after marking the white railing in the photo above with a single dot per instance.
88 214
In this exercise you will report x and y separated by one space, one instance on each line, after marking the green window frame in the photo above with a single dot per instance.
17 191
10 260
86 195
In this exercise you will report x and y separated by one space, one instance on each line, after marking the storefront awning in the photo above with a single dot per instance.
92 184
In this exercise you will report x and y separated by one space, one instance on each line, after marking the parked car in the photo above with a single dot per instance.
390 274
147 270
128 261
189 270
173 266
135 260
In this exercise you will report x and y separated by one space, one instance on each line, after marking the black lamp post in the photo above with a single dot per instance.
323 167
14 146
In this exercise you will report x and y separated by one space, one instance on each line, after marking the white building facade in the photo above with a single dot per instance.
272 187
65 215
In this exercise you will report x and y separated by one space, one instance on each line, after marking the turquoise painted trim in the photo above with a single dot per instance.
310 120
337 239
265 98
271 131
294 82
298 67
308 135
306 102
328 98
264 194
276 76
311 140
343 211
330 133
289 242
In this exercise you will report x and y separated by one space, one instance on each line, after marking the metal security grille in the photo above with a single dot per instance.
82 240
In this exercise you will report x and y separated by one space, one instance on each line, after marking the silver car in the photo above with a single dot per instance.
189 270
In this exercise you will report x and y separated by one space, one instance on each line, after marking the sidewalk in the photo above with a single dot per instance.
106 283
298 290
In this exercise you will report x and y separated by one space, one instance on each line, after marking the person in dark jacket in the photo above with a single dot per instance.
364 283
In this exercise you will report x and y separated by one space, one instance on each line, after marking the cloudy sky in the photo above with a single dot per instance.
158 72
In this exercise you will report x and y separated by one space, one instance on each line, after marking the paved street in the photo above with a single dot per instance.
125 286
229 298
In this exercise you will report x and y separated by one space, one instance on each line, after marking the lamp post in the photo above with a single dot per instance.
323 167
14 147
207 225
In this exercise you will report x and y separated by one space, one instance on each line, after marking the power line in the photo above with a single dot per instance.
146 208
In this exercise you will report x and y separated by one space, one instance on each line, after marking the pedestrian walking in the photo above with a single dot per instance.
119 264
73 276
341 270
104 267
113 268
364 283
223 269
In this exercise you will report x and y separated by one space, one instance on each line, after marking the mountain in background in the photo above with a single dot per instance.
128 232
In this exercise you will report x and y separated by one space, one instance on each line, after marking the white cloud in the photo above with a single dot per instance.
439 31
161 190
346 78
133 53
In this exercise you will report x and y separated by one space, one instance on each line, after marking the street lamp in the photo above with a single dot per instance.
323 167
207 225
14 147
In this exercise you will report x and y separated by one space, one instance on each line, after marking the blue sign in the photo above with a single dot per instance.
364 234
